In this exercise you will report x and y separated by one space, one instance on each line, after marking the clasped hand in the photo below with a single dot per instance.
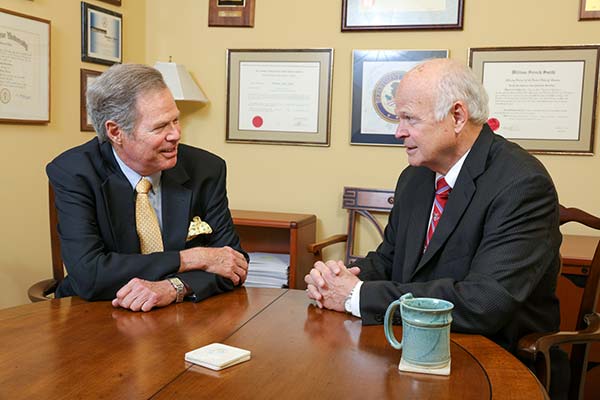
330 283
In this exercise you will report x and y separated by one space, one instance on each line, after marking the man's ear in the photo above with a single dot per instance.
113 132
460 115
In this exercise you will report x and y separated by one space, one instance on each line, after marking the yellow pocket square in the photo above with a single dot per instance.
197 227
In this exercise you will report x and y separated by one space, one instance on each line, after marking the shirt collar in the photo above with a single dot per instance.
133 177
452 174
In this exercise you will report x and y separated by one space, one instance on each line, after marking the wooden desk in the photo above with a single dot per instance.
284 233
68 348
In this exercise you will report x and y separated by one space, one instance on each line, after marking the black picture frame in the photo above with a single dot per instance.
97 26
372 122
372 16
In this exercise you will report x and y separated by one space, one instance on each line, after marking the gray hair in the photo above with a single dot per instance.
113 95
459 83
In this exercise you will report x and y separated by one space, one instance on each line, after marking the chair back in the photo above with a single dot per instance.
41 290
363 202
58 272
579 352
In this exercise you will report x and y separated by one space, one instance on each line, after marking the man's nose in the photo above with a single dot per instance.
174 132
401 131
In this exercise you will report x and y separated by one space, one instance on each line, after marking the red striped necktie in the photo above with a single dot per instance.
441 197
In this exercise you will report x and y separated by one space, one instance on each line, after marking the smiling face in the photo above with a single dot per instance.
429 143
152 145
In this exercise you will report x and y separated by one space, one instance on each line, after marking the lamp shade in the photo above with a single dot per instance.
180 82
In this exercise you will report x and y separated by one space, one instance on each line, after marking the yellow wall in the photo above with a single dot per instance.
24 232
262 177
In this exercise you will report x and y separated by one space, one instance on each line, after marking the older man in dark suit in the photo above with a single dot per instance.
475 220
143 219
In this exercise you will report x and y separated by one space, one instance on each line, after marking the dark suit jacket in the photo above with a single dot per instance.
96 212
495 251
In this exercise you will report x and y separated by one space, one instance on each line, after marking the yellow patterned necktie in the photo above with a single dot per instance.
145 220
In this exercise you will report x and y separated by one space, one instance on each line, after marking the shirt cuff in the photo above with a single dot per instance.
355 300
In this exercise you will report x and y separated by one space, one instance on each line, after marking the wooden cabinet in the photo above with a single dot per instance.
284 233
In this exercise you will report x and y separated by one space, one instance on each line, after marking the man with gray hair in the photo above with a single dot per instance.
143 219
475 220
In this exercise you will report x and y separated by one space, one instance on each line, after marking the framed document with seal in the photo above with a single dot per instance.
543 98
233 13
279 96
24 68
371 15
375 76
101 35
589 9
87 76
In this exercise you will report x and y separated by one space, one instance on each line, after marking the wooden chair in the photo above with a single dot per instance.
359 202
536 347
41 290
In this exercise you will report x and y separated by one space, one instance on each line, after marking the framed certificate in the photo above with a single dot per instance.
24 68
101 35
371 15
86 77
543 98
375 76
279 96
589 9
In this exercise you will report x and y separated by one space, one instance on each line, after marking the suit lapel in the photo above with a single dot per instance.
176 205
461 195
423 195
119 200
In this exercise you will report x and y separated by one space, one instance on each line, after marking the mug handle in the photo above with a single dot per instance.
389 313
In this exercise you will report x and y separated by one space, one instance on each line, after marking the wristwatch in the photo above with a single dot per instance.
348 301
179 287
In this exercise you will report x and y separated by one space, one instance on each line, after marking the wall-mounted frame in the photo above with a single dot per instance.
231 13
375 76
101 35
25 70
279 96
589 9
360 15
114 2
86 77
544 98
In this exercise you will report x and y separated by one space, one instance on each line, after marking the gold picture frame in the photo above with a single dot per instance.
543 98
279 96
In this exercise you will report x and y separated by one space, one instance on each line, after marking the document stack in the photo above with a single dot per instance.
268 270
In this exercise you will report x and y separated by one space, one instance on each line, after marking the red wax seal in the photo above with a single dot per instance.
257 121
493 123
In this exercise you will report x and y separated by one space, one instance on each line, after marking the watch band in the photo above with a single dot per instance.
179 288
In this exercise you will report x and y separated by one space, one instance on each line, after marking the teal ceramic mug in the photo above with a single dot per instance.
425 330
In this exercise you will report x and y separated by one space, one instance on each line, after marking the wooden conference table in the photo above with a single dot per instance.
71 349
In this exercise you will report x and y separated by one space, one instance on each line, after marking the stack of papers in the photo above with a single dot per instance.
268 270
217 356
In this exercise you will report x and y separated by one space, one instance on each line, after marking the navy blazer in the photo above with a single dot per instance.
495 251
96 213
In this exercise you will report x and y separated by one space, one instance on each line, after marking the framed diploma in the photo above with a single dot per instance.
589 9
24 68
279 96
86 77
115 2
375 76
371 15
543 98
233 13
101 35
